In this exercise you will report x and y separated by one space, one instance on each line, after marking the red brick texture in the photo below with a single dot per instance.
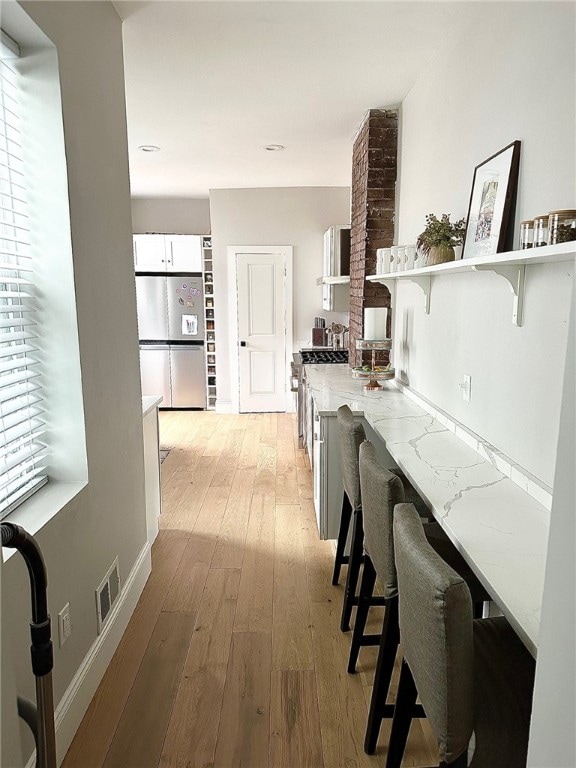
373 203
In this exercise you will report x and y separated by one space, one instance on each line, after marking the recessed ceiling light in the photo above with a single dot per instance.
149 148
274 147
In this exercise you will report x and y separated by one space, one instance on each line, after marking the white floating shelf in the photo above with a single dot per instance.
340 280
510 265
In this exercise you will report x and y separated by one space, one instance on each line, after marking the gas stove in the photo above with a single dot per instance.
310 357
322 356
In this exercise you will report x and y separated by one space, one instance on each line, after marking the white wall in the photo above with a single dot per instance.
509 76
175 215
552 738
107 518
296 216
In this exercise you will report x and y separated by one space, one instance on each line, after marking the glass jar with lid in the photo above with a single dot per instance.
540 230
526 234
561 227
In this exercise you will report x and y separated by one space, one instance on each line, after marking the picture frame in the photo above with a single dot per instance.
493 191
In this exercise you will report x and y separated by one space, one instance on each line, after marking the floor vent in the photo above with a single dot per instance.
107 594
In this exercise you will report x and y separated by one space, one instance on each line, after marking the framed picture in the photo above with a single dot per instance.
493 190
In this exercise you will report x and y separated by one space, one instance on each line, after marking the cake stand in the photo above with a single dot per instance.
373 375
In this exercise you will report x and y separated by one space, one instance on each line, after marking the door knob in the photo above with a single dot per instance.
242 343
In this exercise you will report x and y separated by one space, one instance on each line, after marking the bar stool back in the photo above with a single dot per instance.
351 434
471 675
383 494
382 490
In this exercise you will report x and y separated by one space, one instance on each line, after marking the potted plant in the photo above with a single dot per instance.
439 238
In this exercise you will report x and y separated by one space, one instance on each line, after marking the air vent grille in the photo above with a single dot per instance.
107 594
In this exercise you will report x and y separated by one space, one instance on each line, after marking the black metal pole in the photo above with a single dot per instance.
41 651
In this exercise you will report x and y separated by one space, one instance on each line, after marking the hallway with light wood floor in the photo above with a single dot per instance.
233 657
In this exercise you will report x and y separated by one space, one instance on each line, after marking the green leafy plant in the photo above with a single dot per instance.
441 232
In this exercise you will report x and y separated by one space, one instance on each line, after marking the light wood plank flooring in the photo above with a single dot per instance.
233 657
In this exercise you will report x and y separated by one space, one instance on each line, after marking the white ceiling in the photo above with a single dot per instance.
212 83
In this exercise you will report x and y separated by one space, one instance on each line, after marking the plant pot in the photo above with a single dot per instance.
439 254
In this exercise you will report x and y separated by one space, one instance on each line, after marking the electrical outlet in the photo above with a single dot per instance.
466 387
64 625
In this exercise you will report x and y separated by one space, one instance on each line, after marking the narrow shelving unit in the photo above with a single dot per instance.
510 265
210 323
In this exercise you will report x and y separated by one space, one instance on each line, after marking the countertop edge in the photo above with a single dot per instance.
149 403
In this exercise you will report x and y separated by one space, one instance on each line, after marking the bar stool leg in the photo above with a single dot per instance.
354 563
341 559
384 666
403 711
364 601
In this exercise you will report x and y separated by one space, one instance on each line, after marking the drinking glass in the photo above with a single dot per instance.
386 256
410 256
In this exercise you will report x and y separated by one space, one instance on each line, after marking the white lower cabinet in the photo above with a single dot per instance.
327 475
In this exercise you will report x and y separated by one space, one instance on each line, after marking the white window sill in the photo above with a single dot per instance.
39 509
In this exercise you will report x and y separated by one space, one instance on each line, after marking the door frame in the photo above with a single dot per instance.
287 252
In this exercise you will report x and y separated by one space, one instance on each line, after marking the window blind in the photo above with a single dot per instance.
22 450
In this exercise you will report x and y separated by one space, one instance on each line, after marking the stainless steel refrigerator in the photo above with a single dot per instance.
172 334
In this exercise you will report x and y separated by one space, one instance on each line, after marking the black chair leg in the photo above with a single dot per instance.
403 711
341 559
354 563
384 666
364 602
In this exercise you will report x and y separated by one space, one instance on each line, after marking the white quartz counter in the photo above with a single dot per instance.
149 402
501 530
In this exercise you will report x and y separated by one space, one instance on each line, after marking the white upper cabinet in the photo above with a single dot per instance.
149 253
184 253
168 253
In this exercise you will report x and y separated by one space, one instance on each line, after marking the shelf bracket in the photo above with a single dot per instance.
391 285
515 274
425 283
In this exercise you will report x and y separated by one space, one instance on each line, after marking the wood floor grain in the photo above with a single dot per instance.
233 657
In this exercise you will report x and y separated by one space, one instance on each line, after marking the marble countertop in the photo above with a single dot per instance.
149 402
500 529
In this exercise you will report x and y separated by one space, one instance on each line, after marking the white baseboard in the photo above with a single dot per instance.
79 694
225 406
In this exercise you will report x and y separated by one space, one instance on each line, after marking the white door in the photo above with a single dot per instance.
261 278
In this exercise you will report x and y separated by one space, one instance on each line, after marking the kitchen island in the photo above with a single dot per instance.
500 528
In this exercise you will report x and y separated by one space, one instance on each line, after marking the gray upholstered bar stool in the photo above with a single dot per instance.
382 492
351 434
472 676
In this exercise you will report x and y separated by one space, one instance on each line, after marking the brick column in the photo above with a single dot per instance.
373 204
